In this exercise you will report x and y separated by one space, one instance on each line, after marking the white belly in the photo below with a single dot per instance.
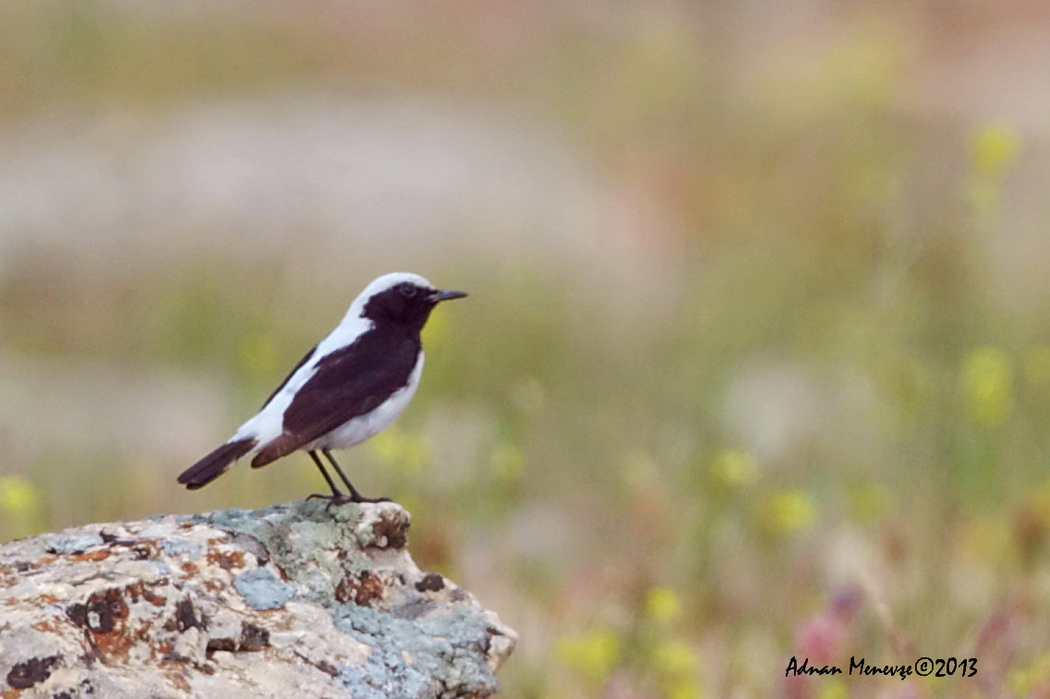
368 425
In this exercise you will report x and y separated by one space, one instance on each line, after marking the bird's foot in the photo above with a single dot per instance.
337 499
326 496
362 498
332 498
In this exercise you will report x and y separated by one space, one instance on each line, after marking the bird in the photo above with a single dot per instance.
348 388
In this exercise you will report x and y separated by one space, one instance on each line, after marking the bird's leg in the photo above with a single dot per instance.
355 495
336 493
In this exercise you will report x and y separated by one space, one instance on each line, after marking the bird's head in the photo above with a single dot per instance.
402 298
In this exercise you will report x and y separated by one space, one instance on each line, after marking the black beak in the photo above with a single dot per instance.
446 294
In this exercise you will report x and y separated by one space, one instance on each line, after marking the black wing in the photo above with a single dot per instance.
348 383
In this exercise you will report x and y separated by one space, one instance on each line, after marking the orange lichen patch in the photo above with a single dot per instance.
145 549
189 569
140 590
117 644
112 646
392 529
143 637
41 600
154 599
10 694
103 616
178 679
46 626
362 590
226 560
100 555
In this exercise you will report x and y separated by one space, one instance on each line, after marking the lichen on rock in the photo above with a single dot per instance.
300 599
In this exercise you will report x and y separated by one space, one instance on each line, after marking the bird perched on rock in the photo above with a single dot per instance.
349 387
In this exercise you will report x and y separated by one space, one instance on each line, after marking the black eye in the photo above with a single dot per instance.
408 290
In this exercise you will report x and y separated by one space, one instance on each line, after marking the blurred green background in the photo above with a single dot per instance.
756 361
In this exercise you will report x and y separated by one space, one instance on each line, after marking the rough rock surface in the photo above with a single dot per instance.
298 599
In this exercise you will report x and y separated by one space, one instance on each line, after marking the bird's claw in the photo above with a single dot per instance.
343 499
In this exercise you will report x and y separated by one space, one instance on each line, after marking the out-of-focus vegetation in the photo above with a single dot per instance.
798 404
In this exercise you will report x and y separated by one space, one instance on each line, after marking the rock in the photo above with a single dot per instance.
299 599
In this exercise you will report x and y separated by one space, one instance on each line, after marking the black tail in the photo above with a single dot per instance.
215 464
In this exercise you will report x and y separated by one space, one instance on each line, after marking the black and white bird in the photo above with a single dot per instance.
349 387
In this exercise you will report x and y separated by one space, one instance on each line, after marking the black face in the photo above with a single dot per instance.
406 304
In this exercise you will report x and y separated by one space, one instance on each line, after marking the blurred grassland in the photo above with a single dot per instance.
817 429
